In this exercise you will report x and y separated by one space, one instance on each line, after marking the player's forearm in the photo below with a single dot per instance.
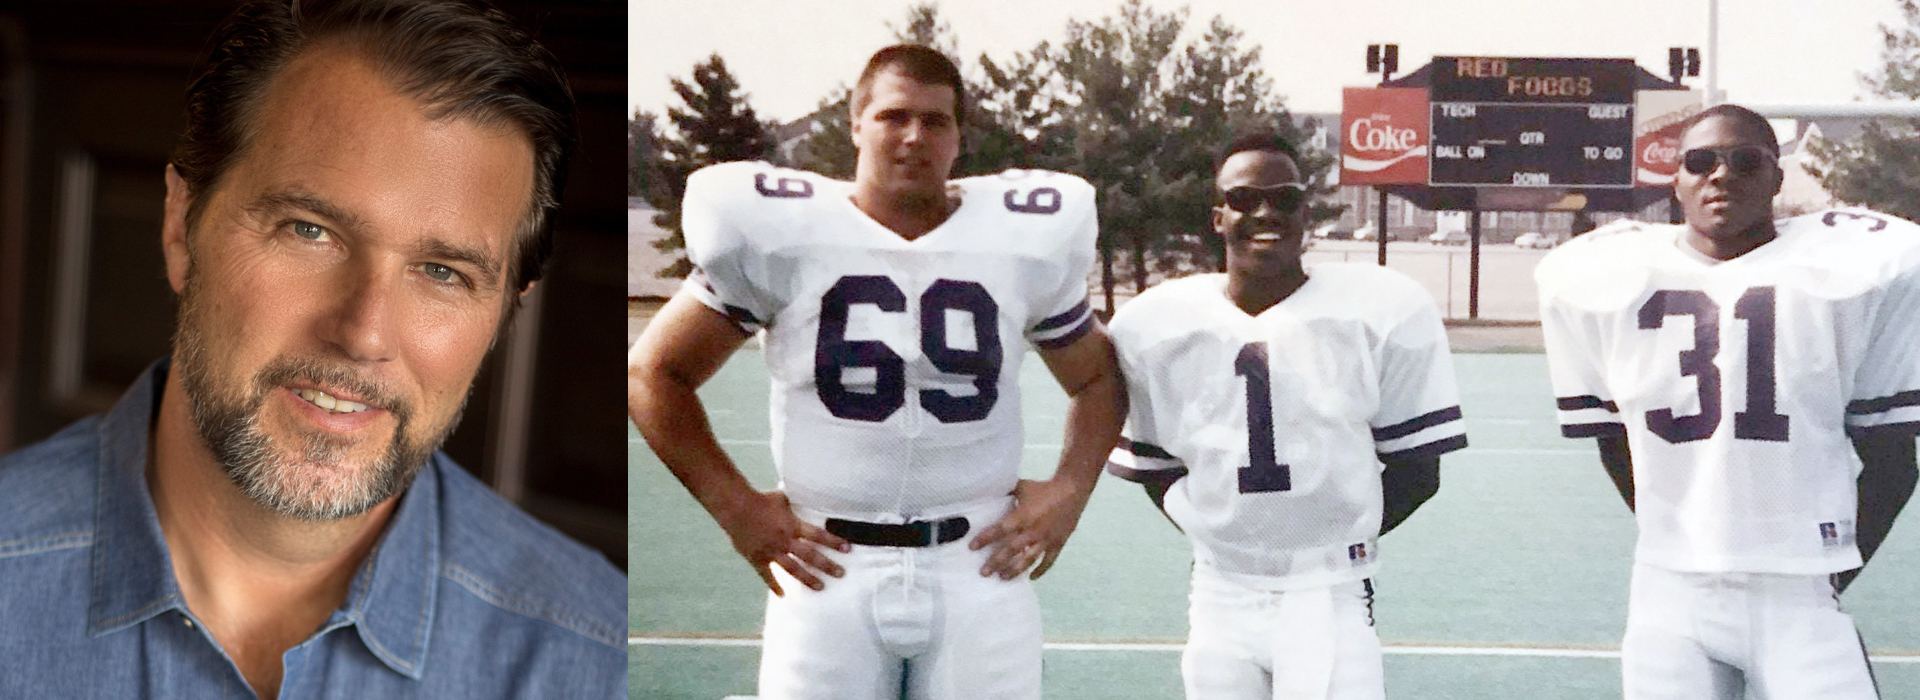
1405 485
1887 478
1619 464
1096 411
674 423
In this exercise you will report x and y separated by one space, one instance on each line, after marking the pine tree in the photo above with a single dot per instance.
715 126
1880 167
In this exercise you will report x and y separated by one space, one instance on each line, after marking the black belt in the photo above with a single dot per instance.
919 533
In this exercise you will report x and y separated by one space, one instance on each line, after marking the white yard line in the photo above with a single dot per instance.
1551 652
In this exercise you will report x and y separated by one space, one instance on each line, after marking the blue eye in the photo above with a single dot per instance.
309 231
439 273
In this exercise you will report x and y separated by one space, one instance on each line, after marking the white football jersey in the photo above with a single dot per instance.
895 363
1278 420
1736 382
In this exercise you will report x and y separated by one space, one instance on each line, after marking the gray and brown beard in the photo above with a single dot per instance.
304 477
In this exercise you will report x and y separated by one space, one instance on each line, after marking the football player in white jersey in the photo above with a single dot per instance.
1283 417
1755 387
895 311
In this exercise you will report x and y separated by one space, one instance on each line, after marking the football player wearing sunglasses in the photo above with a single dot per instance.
1748 382
1336 381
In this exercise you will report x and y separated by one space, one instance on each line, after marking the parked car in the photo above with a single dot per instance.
1364 233
1332 232
1535 240
1448 238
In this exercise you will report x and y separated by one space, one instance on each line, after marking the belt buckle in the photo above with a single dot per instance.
926 533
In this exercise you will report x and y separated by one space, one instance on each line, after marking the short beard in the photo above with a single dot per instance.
302 481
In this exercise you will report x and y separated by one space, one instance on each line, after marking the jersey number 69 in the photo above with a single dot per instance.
834 354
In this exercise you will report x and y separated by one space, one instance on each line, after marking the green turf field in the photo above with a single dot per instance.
1511 583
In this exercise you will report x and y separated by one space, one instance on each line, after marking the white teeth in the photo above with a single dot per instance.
327 401
1266 236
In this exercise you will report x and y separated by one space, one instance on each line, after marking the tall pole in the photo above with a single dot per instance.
1713 52
1473 262
1380 231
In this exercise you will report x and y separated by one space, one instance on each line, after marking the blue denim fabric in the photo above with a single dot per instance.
464 597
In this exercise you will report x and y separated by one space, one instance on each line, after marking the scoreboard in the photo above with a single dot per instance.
1532 122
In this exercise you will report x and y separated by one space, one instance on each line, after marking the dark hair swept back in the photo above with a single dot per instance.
461 58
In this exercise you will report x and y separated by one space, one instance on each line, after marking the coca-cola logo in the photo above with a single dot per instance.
1363 135
1661 151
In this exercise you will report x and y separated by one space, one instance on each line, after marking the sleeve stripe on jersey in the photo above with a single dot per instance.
1069 316
702 290
1857 431
1145 449
1431 449
1062 340
1576 403
1587 430
1146 476
1409 427
1884 403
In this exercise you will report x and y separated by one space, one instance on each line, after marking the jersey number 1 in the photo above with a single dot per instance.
1759 421
1265 473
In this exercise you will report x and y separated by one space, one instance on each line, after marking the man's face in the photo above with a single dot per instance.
1724 202
341 286
1263 239
907 135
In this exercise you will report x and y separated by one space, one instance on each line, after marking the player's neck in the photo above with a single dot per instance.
911 214
1257 291
1734 246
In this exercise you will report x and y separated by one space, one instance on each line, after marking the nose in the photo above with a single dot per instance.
360 323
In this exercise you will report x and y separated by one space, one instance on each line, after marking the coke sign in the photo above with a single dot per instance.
1384 136
1657 116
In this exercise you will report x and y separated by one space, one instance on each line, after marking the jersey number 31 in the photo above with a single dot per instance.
1759 421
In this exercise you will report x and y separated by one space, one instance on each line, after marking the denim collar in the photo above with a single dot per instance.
390 603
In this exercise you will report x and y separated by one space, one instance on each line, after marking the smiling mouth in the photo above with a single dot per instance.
329 402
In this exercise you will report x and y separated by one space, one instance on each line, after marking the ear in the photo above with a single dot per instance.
528 289
173 231
1219 220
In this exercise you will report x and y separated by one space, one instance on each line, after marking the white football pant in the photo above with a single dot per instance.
1711 636
1302 644
905 622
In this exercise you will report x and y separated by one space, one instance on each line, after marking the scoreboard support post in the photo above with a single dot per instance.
1473 263
1381 233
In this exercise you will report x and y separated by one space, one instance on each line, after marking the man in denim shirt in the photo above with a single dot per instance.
361 197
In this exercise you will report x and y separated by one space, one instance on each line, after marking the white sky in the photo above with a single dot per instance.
789 54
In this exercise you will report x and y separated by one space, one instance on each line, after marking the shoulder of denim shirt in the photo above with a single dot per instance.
500 554
47 492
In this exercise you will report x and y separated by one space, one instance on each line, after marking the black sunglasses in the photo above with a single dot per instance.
1285 198
1742 160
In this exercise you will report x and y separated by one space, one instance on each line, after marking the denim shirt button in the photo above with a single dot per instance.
188 620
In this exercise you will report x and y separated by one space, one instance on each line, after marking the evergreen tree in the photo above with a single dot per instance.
716 125
1880 167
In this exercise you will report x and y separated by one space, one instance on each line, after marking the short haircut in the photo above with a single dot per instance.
1738 113
461 58
1256 140
918 62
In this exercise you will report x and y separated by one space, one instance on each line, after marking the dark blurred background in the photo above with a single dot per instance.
91 102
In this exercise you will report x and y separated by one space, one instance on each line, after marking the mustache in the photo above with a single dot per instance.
286 370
